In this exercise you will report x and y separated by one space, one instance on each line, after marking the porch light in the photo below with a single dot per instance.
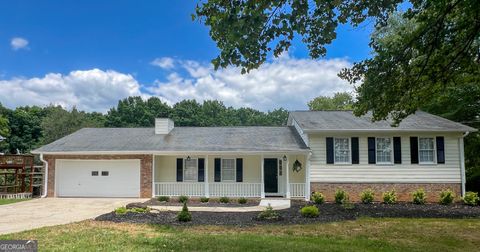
284 158
188 158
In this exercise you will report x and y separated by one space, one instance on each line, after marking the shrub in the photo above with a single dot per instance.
447 197
318 198
163 198
121 210
367 196
204 199
419 197
471 198
184 215
341 196
268 214
224 200
309 211
140 210
242 200
390 197
183 199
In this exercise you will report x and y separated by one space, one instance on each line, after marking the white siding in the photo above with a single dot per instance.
396 173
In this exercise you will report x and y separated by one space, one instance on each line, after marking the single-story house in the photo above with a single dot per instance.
317 151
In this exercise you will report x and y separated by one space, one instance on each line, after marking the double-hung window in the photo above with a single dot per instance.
384 150
426 150
342 151
190 172
228 169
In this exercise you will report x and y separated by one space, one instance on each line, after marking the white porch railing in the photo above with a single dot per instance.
178 189
235 189
297 190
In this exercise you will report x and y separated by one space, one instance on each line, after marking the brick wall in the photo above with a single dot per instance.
404 191
145 170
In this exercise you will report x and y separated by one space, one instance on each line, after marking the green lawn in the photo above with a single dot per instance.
365 234
10 201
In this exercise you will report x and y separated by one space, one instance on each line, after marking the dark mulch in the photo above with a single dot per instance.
328 213
213 202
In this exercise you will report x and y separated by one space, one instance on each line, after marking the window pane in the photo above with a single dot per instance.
426 150
384 150
190 171
342 150
228 169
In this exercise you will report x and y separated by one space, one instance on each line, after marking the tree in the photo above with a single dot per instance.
136 112
187 113
4 132
339 101
25 130
433 45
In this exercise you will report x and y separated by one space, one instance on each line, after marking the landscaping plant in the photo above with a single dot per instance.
242 200
139 210
390 197
268 214
224 200
471 198
183 199
163 198
204 199
184 215
309 211
318 198
341 196
121 210
447 197
367 196
419 197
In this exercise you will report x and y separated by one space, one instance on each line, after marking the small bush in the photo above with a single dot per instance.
183 199
341 196
318 198
242 200
121 210
268 214
447 197
204 199
224 200
471 198
419 197
140 210
309 211
184 215
390 197
367 196
163 199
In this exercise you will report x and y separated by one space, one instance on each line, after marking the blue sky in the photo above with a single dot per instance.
68 40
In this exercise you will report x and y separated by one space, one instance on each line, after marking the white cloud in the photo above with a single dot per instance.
91 90
18 43
164 63
286 82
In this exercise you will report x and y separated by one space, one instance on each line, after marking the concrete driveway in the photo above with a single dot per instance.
38 213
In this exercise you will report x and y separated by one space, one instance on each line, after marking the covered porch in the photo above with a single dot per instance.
257 175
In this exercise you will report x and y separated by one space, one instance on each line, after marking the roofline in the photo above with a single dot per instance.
387 130
304 151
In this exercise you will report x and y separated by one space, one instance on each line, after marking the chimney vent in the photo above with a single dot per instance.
163 126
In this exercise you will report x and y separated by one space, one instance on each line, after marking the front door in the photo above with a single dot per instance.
270 175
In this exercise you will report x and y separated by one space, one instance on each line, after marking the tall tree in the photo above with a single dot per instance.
25 130
4 133
136 112
339 101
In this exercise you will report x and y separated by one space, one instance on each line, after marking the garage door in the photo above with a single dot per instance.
98 178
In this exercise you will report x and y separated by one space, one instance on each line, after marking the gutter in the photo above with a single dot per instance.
45 188
462 162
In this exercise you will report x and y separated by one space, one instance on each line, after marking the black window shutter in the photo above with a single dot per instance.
440 150
397 150
218 171
414 150
201 170
355 151
239 170
371 151
329 150
179 169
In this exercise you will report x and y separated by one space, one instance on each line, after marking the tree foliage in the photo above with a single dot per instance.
339 101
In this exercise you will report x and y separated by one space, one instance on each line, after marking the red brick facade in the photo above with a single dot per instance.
404 191
146 163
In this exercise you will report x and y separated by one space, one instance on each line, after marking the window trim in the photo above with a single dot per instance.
391 152
434 162
349 162
234 170
185 166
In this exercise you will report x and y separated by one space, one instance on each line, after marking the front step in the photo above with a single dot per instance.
275 203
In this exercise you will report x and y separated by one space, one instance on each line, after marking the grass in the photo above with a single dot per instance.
10 201
366 234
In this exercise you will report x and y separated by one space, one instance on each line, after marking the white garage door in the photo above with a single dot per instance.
98 178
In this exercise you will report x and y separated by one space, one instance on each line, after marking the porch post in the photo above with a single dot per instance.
153 176
287 172
262 190
207 189
307 177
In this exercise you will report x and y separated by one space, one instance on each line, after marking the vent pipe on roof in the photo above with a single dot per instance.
163 126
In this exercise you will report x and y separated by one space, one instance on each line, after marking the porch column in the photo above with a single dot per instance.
207 189
262 190
307 177
153 176
287 172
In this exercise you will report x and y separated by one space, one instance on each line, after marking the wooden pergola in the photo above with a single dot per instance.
18 174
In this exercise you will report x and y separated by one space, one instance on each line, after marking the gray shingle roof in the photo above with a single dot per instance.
345 120
200 139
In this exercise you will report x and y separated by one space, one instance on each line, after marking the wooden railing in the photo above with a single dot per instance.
297 190
235 189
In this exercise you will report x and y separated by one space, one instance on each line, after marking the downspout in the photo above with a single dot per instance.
45 188
462 162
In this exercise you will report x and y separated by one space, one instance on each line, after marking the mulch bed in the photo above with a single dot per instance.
213 202
328 212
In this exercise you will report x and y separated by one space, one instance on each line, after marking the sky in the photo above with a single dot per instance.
90 54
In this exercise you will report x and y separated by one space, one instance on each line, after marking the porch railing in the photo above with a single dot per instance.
178 189
297 190
235 189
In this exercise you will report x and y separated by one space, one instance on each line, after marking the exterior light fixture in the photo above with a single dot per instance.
284 158
188 158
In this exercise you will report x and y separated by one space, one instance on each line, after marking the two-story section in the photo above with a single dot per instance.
353 153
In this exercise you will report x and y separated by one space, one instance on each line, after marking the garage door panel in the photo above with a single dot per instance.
74 178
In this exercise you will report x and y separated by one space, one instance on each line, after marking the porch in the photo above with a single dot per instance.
222 175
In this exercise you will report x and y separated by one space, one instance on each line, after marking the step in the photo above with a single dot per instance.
275 203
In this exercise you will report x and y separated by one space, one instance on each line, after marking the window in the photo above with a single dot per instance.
190 172
342 150
94 173
384 150
228 169
426 150
104 173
